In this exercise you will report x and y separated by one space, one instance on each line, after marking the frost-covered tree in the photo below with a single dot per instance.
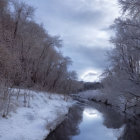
123 77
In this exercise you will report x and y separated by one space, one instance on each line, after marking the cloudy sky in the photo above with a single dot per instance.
83 25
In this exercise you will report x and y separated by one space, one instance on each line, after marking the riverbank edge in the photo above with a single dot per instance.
56 123
105 102
46 112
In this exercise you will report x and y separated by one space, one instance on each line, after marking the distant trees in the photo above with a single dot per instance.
92 85
122 79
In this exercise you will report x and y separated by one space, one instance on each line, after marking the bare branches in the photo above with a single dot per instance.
29 56
132 7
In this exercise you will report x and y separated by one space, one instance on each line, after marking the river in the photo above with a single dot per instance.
93 121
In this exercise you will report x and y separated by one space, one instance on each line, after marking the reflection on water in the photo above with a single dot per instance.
91 113
70 125
92 128
95 122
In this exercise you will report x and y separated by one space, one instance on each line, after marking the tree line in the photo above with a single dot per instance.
29 56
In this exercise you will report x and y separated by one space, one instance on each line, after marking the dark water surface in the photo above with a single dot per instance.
95 122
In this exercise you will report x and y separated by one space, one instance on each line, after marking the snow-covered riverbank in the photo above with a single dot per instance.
119 103
34 122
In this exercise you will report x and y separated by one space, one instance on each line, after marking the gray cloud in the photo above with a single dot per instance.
90 77
90 74
83 26
89 12
85 58
87 17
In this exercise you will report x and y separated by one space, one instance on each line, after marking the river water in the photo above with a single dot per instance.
92 121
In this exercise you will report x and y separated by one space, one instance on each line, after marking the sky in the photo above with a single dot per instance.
83 25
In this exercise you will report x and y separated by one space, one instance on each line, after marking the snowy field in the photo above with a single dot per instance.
35 119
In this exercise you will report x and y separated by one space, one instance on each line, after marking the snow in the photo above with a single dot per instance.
89 94
36 121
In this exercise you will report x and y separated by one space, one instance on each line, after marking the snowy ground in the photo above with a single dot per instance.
34 122
99 96
118 102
